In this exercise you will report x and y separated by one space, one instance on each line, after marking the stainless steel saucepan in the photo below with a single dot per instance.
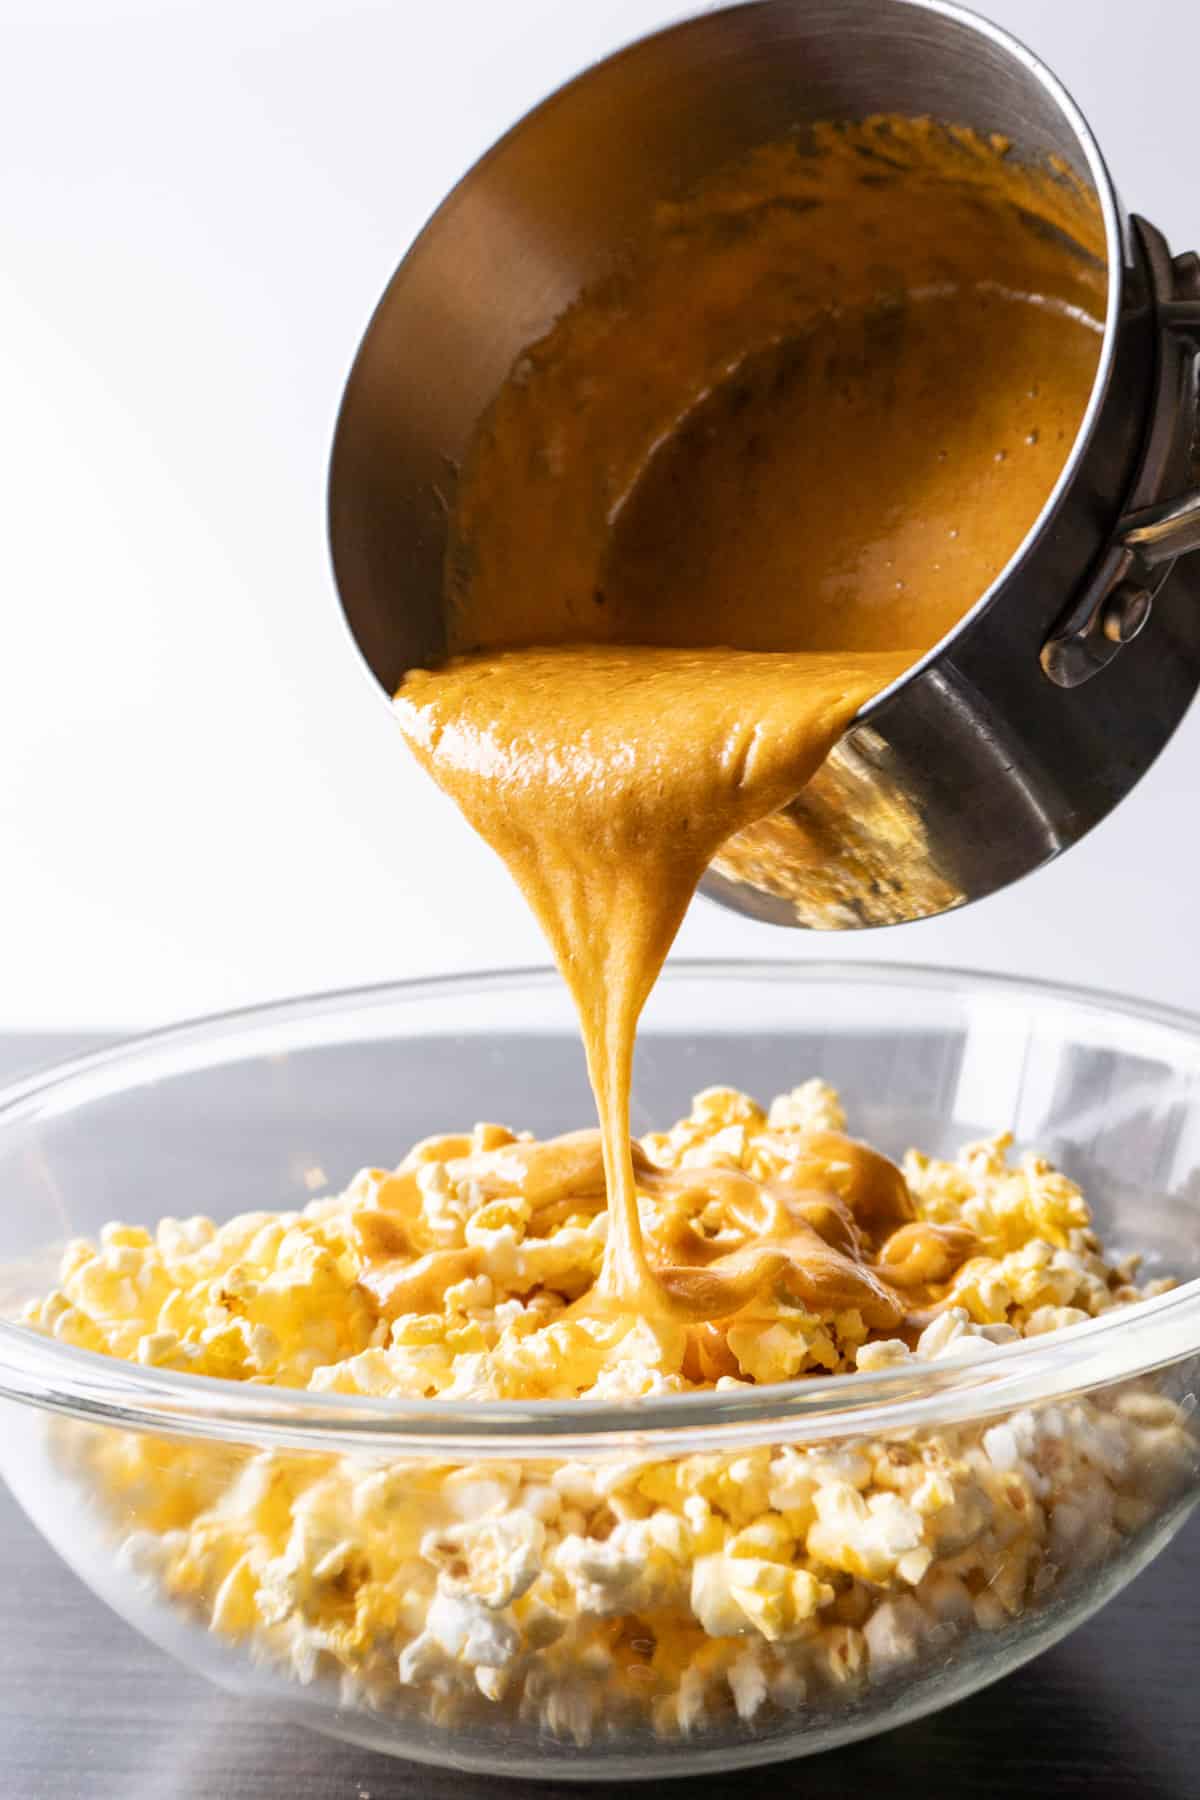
1027 725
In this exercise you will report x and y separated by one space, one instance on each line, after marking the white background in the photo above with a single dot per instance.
202 803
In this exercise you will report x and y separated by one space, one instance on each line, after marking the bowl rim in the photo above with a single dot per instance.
87 1385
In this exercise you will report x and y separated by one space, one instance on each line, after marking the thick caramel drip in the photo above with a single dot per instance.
606 779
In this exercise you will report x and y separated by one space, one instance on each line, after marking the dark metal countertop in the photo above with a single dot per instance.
90 1711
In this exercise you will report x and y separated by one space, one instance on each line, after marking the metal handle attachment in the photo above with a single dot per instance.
1119 597
1159 534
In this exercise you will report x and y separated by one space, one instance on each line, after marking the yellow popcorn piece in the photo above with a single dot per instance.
731 1595
784 1350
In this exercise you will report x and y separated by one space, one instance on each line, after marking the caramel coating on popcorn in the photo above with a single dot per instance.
673 1593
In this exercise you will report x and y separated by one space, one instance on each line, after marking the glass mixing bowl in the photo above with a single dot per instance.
1074 1454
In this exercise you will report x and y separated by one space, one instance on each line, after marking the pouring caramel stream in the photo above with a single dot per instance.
734 494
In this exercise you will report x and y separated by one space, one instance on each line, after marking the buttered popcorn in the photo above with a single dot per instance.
669 1593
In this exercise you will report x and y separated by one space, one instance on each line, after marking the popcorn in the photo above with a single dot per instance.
496 1560
467 1629
623 1574
866 1537
883 1353
593 1595
748 1685
895 1635
731 1595
813 1106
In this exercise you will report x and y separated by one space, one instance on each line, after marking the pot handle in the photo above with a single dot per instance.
1120 593
1158 534
1155 535
1119 599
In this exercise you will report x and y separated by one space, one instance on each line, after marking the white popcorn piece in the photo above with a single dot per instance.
605 1578
471 1632
895 1636
1001 1447
748 1685
496 1560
